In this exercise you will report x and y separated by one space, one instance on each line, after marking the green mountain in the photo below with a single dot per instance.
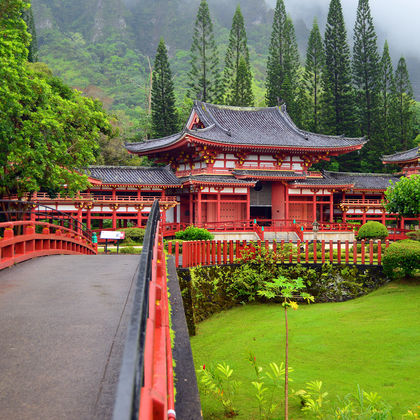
103 47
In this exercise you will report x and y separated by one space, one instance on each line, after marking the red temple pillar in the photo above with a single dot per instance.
332 208
248 203
191 208
199 206
314 207
286 193
114 217
218 207
114 193
89 218
139 194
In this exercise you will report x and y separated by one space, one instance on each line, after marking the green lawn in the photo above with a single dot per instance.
373 341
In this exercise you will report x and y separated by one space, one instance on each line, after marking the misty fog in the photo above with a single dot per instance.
395 20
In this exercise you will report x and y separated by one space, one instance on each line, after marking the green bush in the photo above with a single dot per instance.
414 235
367 245
402 258
130 250
373 230
133 235
192 233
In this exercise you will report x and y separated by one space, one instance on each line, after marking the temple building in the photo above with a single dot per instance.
236 165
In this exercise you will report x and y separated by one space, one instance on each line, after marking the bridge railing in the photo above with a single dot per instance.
194 253
146 386
26 232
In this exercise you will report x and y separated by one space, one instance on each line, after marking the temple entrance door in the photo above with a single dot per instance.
260 212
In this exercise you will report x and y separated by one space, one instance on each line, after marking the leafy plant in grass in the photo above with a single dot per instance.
373 230
219 382
289 290
130 250
267 405
193 233
402 258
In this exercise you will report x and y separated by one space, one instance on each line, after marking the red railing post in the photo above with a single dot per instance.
315 250
231 252
291 252
339 251
371 252
177 254
323 251
237 248
363 251
347 252
331 251
213 252
354 252
379 252
298 251
225 252
219 252
306 251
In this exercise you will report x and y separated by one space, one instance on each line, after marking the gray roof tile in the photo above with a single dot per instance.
217 179
402 156
133 175
250 126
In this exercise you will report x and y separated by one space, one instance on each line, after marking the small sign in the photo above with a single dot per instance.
109 234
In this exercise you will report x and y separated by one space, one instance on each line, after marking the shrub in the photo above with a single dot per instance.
373 230
414 235
192 233
402 258
130 250
133 235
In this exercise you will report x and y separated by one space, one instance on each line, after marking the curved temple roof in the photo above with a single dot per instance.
269 127
404 156
361 181
134 175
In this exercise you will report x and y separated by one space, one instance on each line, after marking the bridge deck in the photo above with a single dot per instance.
62 327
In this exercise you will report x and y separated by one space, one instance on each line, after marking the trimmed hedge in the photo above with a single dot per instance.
192 233
402 258
130 250
414 235
133 235
373 230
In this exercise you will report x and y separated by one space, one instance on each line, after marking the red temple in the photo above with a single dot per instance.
238 166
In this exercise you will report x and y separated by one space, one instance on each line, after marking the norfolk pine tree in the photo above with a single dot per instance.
386 96
337 99
28 17
403 105
164 117
236 50
204 77
365 70
283 61
314 67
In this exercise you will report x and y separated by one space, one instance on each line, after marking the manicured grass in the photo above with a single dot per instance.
373 341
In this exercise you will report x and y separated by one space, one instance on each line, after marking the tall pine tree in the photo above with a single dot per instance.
28 17
386 129
403 105
237 50
338 100
164 117
314 67
365 73
204 77
283 61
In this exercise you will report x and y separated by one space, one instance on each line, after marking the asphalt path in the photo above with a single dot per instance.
62 330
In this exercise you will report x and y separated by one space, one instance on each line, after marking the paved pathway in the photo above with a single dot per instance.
62 326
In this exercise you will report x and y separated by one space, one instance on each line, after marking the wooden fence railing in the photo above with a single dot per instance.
194 253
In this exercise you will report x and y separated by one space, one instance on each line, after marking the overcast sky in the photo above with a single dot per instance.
395 20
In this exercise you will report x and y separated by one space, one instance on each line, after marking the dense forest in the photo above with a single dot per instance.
106 48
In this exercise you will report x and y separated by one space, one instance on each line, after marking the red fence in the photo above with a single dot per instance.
20 241
157 394
194 253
